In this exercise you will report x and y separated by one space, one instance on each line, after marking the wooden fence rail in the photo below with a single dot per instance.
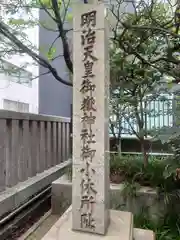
30 144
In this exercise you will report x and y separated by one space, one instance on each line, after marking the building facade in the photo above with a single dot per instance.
55 98
17 90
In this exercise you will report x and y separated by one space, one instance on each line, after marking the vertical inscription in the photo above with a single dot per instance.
88 109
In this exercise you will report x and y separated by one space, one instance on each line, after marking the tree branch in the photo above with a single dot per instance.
42 74
39 59
66 51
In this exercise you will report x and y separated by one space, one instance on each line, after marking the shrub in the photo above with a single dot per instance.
160 171
165 229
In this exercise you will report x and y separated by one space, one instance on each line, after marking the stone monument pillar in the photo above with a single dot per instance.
90 194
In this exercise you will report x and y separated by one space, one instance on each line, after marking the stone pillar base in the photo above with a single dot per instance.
121 227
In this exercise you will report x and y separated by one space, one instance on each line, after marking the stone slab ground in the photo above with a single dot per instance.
121 227
141 234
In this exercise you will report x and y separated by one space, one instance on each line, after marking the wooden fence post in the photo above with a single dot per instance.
54 143
48 145
24 165
12 153
67 141
2 154
34 147
42 154
30 144
59 132
63 139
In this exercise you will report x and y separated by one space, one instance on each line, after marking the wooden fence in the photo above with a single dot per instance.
30 144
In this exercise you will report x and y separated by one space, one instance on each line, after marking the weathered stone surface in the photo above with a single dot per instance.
61 197
90 193
120 228
141 234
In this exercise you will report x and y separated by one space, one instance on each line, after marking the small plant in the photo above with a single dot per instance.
130 189
167 228
123 167
117 174
161 172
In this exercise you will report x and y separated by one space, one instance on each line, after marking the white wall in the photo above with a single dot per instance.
18 92
15 91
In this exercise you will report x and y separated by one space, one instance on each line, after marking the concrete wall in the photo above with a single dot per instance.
145 198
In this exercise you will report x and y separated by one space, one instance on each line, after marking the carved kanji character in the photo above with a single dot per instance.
88 19
88 104
88 37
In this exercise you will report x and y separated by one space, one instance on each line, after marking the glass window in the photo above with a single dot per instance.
15 74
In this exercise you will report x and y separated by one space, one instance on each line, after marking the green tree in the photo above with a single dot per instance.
148 20
22 15
145 47
140 63
117 111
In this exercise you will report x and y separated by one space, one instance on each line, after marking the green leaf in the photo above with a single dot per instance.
69 17
48 3
51 53
22 22
19 21
170 85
